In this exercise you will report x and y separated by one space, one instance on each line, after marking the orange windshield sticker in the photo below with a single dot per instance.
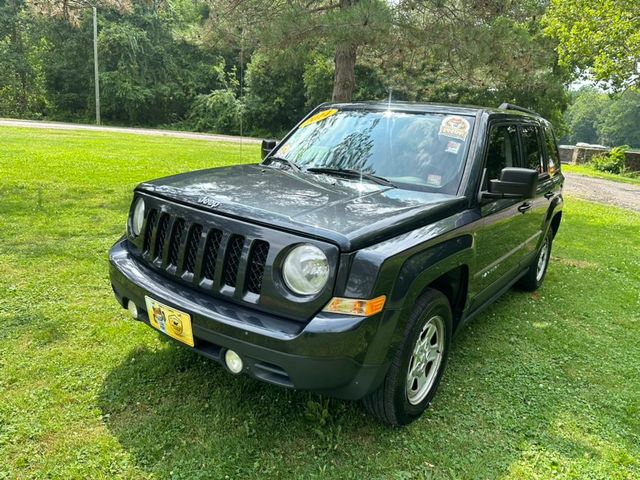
455 126
318 117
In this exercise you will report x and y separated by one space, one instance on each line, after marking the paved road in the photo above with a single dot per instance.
9 122
603 191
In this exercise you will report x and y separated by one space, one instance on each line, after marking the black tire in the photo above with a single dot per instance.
531 280
390 403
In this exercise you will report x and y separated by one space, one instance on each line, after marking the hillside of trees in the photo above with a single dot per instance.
598 117
214 65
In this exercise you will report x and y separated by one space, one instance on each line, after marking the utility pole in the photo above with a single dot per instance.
95 63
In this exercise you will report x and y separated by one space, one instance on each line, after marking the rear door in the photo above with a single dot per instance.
535 158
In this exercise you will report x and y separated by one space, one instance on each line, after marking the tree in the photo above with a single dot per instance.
619 125
585 114
22 86
274 99
468 51
151 68
72 10
296 26
598 37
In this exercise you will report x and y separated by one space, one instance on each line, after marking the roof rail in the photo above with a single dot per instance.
511 106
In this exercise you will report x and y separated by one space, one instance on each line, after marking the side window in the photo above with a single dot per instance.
533 158
552 151
502 152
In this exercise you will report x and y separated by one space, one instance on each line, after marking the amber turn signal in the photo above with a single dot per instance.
353 306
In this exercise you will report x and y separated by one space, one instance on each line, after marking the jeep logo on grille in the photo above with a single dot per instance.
209 202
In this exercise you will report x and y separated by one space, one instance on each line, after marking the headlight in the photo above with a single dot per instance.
138 217
306 270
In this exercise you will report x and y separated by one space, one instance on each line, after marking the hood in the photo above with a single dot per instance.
350 213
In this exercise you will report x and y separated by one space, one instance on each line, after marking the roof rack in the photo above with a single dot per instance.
511 106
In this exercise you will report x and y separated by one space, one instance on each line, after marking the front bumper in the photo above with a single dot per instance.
338 355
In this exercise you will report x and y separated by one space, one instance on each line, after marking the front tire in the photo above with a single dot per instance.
417 367
532 280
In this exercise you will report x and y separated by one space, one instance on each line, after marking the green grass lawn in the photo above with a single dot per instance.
543 385
592 172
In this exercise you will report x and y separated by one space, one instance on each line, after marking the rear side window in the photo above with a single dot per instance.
533 158
553 158
503 150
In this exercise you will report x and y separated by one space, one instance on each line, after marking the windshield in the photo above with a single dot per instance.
425 151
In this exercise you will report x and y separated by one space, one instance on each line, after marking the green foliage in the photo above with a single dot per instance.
150 76
597 117
68 67
318 79
584 115
621 121
22 80
479 53
218 111
168 62
600 37
274 97
612 161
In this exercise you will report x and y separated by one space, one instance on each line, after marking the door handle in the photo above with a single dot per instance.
548 195
524 207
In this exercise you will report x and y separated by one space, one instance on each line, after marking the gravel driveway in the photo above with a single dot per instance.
603 191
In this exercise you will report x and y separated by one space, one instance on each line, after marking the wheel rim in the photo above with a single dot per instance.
542 260
425 360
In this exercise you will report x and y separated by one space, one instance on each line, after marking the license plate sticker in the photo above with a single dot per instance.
168 320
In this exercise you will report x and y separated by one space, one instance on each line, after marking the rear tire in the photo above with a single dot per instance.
536 272
417 367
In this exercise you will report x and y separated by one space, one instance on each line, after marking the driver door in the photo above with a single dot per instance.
503 231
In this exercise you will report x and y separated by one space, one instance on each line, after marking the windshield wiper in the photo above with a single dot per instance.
284 161
350 173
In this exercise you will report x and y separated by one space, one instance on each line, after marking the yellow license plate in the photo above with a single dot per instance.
168 320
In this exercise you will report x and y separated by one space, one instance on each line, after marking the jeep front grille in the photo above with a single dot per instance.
194 253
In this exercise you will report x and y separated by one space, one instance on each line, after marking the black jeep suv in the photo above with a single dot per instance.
345 261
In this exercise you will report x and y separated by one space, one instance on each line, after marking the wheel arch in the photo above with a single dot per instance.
444 267
555 222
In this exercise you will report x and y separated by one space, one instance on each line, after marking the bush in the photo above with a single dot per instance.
612 161
217 112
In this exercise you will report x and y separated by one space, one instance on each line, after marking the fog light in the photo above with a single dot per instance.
133 310
233 361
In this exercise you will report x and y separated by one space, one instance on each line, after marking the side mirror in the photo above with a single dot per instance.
267 146
514 183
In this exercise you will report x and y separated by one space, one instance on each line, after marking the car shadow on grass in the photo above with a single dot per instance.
513 398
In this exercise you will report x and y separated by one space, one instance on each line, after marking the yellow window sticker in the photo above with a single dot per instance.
455 126
318 117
